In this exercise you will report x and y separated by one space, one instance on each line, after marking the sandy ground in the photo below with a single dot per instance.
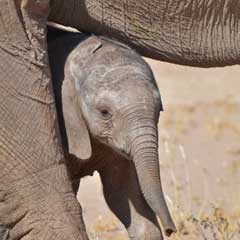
200 156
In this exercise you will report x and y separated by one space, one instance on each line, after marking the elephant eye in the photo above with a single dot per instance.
105 114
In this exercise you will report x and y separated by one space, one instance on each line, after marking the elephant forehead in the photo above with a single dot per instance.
125 82
115 76
125 96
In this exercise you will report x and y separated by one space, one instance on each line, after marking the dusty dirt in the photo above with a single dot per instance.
200 156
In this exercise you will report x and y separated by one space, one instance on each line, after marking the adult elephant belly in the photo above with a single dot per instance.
191 32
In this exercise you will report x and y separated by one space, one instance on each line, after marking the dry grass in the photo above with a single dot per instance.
216 226
203 225
199 218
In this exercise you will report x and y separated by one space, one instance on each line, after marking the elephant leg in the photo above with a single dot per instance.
36 198
124 197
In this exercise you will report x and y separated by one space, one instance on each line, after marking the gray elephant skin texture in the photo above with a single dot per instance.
36 196
108 106
191 32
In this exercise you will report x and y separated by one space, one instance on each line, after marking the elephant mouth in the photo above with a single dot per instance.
123 153
122 149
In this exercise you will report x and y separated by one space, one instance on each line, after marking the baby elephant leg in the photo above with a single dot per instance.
124 197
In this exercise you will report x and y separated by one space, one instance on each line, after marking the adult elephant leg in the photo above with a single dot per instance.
124 197
36 198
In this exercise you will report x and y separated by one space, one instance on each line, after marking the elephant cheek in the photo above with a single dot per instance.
121 142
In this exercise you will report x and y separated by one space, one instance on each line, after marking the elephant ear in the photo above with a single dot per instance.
78 138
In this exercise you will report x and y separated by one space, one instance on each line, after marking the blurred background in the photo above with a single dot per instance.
199 139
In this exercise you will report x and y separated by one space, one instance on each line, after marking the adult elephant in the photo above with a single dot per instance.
36 199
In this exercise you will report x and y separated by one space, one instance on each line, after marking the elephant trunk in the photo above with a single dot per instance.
145 156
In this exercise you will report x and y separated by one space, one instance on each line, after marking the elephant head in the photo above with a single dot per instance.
118 103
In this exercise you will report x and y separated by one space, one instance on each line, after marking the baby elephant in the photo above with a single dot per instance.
108 108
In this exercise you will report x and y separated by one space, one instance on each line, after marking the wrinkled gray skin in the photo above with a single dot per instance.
191 32
4 233
109 90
